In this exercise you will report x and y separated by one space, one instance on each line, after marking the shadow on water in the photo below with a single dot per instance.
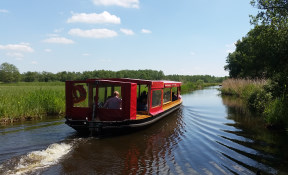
271 146
207 135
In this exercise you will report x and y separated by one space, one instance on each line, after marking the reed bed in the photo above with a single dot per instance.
241 87
31 100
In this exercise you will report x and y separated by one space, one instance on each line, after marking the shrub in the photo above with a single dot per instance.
258 99
276 112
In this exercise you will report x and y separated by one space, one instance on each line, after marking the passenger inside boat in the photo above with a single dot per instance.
142 102
174 96
113 102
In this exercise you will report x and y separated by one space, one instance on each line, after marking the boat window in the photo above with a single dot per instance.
167 95
156 98
106 92
80 95
141 89
174 93
142 98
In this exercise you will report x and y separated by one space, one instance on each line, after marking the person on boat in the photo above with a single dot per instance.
143 95
174 97
114 102
142 105
142 102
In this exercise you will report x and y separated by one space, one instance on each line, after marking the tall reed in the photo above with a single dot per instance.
241 87
31 100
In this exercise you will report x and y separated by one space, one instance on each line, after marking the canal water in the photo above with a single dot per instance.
207 135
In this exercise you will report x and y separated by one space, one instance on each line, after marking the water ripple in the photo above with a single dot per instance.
214 147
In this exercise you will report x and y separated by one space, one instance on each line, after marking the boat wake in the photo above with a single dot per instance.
36 160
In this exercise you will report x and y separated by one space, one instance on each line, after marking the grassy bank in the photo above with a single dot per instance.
191 86
31 100
258 97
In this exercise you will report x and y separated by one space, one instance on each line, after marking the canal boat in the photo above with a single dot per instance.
140 103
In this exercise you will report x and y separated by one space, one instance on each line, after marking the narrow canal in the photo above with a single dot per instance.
208 135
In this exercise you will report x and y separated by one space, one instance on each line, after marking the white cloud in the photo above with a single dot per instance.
122 3
22 47
4 11
93 33
58 40
94 18
47 50
127 31
146 31
15 54
34 62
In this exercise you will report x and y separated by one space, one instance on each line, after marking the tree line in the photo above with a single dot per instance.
10 73
263 52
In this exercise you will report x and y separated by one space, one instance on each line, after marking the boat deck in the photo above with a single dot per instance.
142 115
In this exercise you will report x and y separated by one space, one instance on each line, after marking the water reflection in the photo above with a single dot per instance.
266 149
145 152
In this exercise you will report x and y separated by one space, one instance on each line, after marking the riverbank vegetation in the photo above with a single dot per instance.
258 96
34 99
20 101
259 65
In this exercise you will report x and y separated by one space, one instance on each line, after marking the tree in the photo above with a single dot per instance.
30 76
273 12
47 76
262 53
9 73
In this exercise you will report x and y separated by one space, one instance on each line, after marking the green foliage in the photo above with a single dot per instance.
195 78
272 12
9 73
276 112
190 86
136 74
34 100
258 100
262 53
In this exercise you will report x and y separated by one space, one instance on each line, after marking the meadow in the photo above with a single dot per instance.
22 101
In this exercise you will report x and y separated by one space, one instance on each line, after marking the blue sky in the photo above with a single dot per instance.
185 37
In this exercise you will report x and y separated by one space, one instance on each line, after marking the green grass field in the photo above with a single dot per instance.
31 100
